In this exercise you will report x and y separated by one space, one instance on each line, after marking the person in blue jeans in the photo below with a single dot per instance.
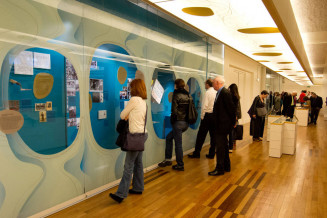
135 113
179 121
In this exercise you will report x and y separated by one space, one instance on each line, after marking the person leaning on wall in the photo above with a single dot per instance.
224 120
257 113
206 122
179 121
135 113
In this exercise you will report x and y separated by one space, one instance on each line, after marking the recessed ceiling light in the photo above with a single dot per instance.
198 11
300 71
263 61
267 46
278 71
268 54
285 69
285 62
259 30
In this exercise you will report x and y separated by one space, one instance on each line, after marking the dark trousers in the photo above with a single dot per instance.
258 128
178 128
314 114
206 126
222 153
231 140
290 111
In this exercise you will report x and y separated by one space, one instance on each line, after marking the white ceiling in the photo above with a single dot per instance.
231 15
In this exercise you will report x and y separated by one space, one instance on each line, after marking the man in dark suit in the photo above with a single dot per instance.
316 105
224 120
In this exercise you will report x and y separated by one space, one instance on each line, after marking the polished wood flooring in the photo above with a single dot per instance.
257 186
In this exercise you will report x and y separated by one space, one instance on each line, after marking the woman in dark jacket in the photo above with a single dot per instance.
257 122
236 100
179 121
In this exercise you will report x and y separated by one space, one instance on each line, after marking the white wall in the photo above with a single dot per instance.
248 74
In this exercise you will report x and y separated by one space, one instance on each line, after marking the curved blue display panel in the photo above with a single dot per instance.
195 92
50 109
161 110
111 72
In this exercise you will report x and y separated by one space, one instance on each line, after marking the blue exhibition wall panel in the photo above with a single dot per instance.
106 69
96 47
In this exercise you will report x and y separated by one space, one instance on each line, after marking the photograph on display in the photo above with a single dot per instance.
70 71
71 93
43 116
97 97
49 106
76 86
129 95
14 105
23 63
123 95
124 88
94 65
40 106
42 60
129 80
72 112
71 85
96 85
77 122
71 122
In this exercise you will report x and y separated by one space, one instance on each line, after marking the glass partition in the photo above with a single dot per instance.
65 74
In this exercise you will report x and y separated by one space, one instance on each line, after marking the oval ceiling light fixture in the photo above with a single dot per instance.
300 71
285 69
198 11
285 62
267 46
278 71
263 61
259 30
291 75
267 54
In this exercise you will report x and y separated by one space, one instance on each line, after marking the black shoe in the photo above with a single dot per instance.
193 155
116 198
227 170
131 191
165 163
177 167
210 156
216 173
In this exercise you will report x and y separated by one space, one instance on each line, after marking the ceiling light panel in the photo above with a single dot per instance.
233 15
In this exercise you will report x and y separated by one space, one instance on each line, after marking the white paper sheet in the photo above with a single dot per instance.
24 63
42 60
157 91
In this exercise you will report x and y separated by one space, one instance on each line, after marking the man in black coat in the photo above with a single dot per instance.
224 120
316 105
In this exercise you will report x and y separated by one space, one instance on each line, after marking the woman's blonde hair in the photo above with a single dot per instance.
138 88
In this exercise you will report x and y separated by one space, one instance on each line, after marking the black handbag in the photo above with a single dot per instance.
239 132
192 112
136 141
122 129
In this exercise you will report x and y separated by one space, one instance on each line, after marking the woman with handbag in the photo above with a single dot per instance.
236 100
258 114
135 112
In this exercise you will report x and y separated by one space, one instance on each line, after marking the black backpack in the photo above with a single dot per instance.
192 112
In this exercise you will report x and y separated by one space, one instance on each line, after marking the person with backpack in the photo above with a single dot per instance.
206 123
180 122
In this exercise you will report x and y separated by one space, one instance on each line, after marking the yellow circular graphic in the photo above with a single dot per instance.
11 121
43 83
121 75
170 97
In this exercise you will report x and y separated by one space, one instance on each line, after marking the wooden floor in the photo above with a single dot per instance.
257 186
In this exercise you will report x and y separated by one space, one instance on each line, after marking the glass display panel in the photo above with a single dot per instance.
195 92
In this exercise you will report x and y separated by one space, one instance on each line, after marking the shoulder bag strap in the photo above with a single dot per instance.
146 116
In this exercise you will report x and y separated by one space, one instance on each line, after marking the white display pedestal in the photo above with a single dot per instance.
271 118
302 114
282 137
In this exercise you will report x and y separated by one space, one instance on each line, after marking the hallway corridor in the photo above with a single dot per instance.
257 186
